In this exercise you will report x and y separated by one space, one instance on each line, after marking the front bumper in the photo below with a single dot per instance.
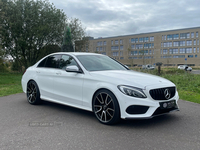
145 108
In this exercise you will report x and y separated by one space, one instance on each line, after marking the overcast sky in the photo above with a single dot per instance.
105 18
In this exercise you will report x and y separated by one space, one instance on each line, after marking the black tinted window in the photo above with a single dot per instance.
66 61
42 63
52 61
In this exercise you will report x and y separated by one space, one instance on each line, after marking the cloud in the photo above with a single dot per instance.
104 18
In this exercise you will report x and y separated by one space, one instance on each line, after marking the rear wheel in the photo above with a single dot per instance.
106 107
33 93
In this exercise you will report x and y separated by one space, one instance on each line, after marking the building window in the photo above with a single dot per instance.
194 49
167 44
161 51
188 50
146 39
132 40
99 43
176 43
170 51
104 43
197 49
192 34
112 42
182 35
100 49
151 38
182 50
188 35
197 34
175 36
121 41
114 47
132 46
115 53
152 45
165 51
134 52
116 42
164 37
150 52
182 43
140 39
197 42
169 37
136 40
121 47
97 49
190 56
195 55
104 53
194 42
189 43
139 46
175 51
146 45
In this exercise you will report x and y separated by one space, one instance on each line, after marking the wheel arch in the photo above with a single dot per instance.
109 91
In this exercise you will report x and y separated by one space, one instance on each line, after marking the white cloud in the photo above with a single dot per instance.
105 18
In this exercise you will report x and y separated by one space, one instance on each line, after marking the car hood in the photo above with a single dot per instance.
130 77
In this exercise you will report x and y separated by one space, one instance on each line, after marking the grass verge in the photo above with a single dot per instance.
10 83
188 85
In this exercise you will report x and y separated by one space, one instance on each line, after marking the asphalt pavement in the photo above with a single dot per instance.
53 126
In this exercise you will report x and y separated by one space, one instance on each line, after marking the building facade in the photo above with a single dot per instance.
172 48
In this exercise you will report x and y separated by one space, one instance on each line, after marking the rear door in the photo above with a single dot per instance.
45 76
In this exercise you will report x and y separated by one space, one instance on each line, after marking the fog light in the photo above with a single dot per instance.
164 105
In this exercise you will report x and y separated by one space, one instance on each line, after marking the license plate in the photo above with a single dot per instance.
167 105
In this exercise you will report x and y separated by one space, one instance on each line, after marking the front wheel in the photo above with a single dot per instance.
105 107
33 93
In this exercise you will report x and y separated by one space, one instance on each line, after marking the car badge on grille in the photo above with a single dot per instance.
167 93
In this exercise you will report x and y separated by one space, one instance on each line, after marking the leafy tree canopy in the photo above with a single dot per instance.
28 26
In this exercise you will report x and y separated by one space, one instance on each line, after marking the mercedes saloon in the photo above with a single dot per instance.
100 84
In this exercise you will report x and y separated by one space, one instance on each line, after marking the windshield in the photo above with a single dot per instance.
99 63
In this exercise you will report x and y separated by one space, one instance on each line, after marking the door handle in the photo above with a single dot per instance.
37 71
58 73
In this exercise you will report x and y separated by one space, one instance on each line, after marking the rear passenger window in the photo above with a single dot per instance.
52 61
42 63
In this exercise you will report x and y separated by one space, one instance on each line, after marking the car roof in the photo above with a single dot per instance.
77 53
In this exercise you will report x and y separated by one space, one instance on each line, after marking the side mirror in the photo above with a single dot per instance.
72 69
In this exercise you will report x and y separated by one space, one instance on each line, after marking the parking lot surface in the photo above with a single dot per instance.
53 126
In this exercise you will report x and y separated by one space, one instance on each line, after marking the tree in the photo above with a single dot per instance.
67 45
27 26
78 34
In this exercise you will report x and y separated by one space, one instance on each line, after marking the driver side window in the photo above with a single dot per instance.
66 61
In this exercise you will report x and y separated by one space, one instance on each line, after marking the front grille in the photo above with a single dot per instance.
159 94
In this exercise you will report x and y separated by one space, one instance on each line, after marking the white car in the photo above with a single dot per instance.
185 67
99 84
149 67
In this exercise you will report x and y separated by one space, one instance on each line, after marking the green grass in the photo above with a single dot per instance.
10 83
188 85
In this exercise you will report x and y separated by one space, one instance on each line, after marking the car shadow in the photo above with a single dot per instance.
166 119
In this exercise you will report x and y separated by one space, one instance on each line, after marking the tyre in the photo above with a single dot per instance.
33 93
105 107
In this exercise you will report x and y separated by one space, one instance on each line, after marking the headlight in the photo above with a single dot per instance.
132 91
